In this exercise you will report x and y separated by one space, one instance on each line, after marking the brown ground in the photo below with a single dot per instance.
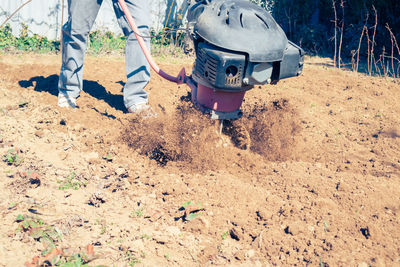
319 186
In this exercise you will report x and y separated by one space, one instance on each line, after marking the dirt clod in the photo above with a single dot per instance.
97 199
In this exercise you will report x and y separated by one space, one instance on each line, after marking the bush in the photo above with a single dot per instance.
99 42
35 43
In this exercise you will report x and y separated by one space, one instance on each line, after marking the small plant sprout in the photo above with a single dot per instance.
131 259
108 158
23 104
145 236
38 230
224 235
103 229
12 158
12 205
166 256
71 182
139 212
326 227
191 210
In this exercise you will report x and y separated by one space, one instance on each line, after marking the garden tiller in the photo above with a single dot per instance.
238 45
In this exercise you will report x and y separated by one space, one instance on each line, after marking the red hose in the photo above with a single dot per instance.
182 74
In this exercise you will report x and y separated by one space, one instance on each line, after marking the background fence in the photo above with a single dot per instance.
44 17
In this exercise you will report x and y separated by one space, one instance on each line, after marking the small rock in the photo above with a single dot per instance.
63 122
161 239
366 232
121 172
91 156
173 230
39 134
97 199
205 222
22 174
250 253
362 264
239 255
138 245
295 228
78 128
264 215
236 234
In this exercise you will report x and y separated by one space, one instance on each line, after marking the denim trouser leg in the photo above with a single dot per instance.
81 16
137 67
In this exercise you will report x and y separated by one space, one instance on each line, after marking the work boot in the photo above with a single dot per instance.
65 101
143 110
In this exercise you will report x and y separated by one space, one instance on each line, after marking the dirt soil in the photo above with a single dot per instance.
317 181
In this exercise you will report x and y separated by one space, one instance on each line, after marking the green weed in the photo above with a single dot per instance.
76 260
108 158
105 42
35 43
131 259
145 236
38 230
139 213
12 158
191 212
224 235
12 205
326 227
99 42
71 182
103 229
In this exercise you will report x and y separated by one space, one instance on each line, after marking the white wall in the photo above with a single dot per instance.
44 16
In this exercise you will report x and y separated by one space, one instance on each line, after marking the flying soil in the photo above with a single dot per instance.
238 45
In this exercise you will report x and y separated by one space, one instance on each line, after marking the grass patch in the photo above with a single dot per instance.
71 182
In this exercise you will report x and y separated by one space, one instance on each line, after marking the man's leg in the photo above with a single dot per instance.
137 67
81 16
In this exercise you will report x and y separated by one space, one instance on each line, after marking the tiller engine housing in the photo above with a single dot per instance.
238 45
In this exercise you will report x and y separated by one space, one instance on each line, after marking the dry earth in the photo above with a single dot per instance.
319 186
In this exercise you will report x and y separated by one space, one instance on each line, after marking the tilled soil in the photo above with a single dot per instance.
309 176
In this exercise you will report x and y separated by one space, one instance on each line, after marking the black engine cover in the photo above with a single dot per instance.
241 26
238 45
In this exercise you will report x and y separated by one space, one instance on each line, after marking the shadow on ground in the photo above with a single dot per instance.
50 85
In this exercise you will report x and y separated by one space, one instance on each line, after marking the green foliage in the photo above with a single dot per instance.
25 42
105 42
131 259
190 212
76 260
99 42
38 230
167 41
6 37
12 158
224 235
166 37
187 203
71 182
139 212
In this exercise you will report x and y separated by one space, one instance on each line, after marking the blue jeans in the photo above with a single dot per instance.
82 14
